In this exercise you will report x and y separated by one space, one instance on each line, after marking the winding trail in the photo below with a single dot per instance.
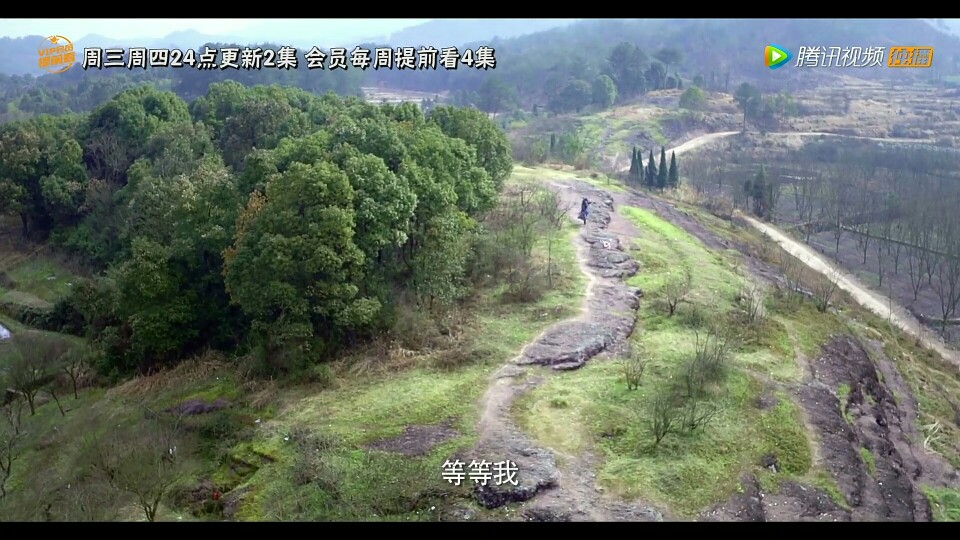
568 492
607 318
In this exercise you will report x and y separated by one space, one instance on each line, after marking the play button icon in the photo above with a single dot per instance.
775 56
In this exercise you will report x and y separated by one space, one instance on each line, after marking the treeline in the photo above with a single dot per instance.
649 175
536 68
254 218
77 90
897 202
575 83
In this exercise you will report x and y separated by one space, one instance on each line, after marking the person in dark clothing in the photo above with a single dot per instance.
584 210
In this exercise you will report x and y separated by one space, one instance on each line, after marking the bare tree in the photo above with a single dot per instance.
553 210
697 414
946 283
791 271
676 290
662 415
11 439
827 285
144 461
74 364
752 296
34 362
634 362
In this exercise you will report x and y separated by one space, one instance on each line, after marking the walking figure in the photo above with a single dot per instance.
584 210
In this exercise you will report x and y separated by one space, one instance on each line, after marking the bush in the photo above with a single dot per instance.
634 362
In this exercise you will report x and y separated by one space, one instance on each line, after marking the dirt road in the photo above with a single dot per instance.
872 300
875 302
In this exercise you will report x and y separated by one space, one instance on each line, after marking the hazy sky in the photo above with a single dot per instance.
157 28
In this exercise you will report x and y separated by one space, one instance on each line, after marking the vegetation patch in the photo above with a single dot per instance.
675 420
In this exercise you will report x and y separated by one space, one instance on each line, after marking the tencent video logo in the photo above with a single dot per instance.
775 56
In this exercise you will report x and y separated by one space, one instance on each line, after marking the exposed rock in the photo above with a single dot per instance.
193 407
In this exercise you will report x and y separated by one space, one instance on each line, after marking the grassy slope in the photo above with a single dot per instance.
378 485
592 408
279 445
259 444
934 384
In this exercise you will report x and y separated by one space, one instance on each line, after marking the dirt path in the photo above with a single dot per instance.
568 492
844 426
869 299
607 318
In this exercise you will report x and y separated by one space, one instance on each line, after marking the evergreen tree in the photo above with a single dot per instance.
633 165
759 193
673 179
651 180
662 173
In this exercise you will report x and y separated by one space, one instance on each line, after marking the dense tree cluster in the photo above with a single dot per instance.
259 215
77 90
649 175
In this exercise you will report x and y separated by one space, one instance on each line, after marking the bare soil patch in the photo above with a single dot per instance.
417 440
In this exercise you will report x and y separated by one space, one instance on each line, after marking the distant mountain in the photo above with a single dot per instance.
189 39
949 26
723 52
18 56
441 33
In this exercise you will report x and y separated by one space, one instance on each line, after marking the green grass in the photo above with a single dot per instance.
41 278
591 408
354 482
273 450
868 460
533 174
944 502
621 130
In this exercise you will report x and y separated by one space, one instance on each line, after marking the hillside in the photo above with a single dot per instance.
536 65
455 32
619 289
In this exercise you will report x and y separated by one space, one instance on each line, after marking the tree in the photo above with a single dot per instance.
748 99
294 267
11 439
693 99
676 290
679 81
488 141
651 178
34 362
553 209
656 75
673 178
144 461
669 57
495 95
662 172
604 91
75 362
634 166
575 95
626 63
759 193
